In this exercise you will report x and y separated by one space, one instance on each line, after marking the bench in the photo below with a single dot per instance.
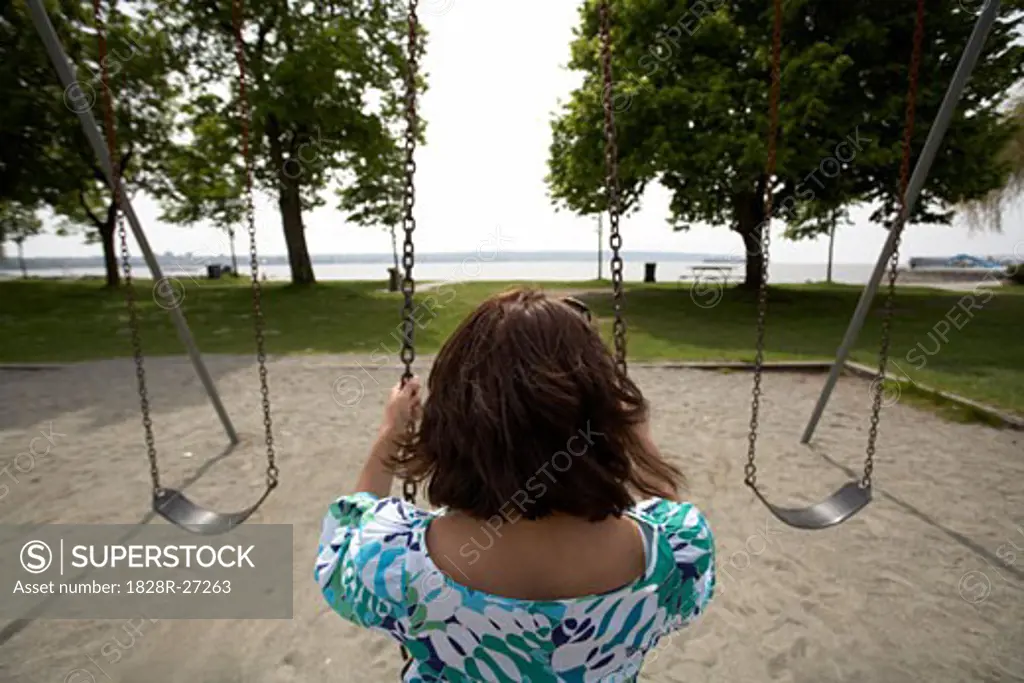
721 273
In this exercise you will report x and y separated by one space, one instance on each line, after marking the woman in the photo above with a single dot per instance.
541 566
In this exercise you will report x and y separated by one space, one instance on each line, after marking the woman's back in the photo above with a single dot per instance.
376 569
537 559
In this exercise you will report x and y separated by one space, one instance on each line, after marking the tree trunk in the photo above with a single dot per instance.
831 251
295 236
106 227
749 225
234 258
291 210
109 255
754 272
394 247
21 257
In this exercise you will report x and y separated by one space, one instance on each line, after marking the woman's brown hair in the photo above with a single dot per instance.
526 415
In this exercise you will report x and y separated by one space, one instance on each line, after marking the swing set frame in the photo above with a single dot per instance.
841 505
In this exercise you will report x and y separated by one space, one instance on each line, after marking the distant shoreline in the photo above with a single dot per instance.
200 261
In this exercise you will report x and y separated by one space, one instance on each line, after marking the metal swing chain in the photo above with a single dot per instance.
750 469
126 266
611 161
408 353
250 211
883 353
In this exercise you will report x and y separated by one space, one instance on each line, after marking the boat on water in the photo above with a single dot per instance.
961 261
960 268
724 259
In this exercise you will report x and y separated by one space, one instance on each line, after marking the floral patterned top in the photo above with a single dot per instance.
374 570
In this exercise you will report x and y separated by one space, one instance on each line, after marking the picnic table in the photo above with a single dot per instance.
717 272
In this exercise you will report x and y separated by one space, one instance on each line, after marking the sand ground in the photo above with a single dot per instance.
926 585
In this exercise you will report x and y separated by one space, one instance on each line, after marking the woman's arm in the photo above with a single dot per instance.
376 478
403 408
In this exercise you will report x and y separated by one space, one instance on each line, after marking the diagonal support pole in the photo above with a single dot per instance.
924 164
81 106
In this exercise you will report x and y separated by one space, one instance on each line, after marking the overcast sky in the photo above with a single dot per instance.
496 74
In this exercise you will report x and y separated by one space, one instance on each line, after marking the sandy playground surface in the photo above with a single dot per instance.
922 586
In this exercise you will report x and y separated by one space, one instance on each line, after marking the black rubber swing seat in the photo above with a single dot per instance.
836 509
178 510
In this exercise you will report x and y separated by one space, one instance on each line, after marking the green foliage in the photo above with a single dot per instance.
374 195
692 108
17 223
987 212
323 83
36 128
45 155
205 179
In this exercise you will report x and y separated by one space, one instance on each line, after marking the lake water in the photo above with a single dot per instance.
474 269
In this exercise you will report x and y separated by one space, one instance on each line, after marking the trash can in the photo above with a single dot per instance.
393 280
649 272
213 272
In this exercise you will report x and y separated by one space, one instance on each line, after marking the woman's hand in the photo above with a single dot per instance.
403 407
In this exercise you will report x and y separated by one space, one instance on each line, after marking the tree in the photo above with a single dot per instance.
692 92
47 157
372 191
91 210
36 127
17 223
204 180
833 218
987 212
312 67
373 196
143 94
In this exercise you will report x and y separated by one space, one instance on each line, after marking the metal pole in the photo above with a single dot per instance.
600 243
80 105
917 180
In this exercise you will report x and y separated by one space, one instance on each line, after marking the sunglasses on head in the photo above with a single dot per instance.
578 306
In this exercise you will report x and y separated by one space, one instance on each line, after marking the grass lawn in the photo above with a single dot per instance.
976 353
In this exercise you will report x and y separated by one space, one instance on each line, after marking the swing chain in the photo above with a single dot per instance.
250 212
126 265
408 353
750 469
901 221
883 362
611 160
140 371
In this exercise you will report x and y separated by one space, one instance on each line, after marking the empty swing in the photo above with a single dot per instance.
854 495
169 503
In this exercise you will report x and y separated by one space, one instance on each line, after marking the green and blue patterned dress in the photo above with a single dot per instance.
374 570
